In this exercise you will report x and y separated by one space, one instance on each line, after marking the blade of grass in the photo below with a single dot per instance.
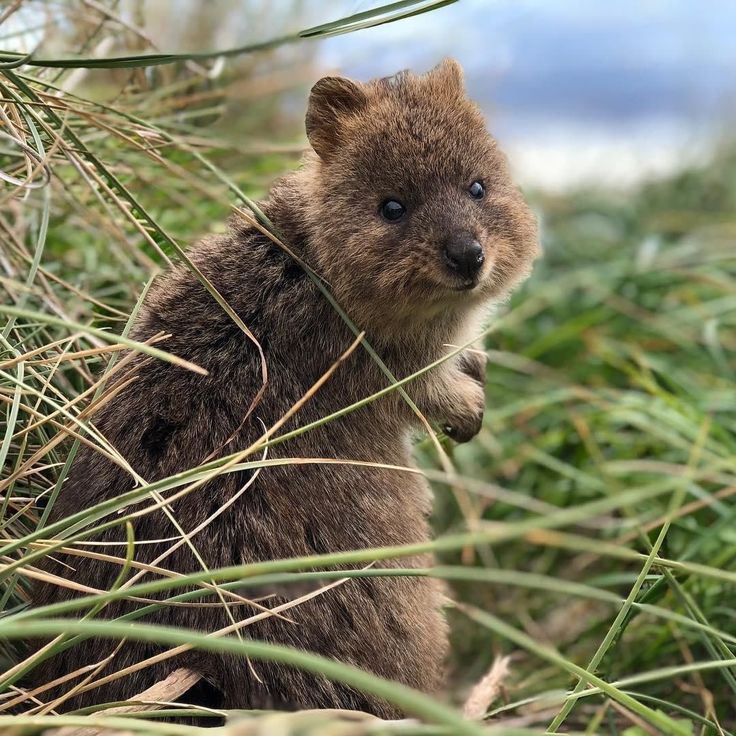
418 704
657 719
366 19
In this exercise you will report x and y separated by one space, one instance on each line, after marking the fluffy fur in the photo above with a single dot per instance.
413 138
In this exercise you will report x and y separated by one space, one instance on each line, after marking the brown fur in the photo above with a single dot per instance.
414 138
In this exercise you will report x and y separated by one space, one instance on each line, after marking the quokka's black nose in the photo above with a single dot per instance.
464 255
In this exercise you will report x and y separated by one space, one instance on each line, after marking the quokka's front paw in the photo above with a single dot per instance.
466 415
473 363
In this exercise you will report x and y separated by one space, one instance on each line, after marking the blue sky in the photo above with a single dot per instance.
576 89
606 61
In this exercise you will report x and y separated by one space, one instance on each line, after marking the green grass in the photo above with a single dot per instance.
615 372
589 533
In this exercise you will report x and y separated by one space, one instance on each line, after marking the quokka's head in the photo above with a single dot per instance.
411 198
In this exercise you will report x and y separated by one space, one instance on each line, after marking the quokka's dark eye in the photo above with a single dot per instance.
392 210
476 190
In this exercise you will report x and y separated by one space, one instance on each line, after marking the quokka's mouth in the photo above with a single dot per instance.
466 287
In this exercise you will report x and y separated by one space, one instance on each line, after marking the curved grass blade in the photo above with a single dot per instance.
418 704
376 16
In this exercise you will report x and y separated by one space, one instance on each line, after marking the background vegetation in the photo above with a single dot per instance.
589 534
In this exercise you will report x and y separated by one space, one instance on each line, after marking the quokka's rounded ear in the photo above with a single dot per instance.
331 100
449 75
